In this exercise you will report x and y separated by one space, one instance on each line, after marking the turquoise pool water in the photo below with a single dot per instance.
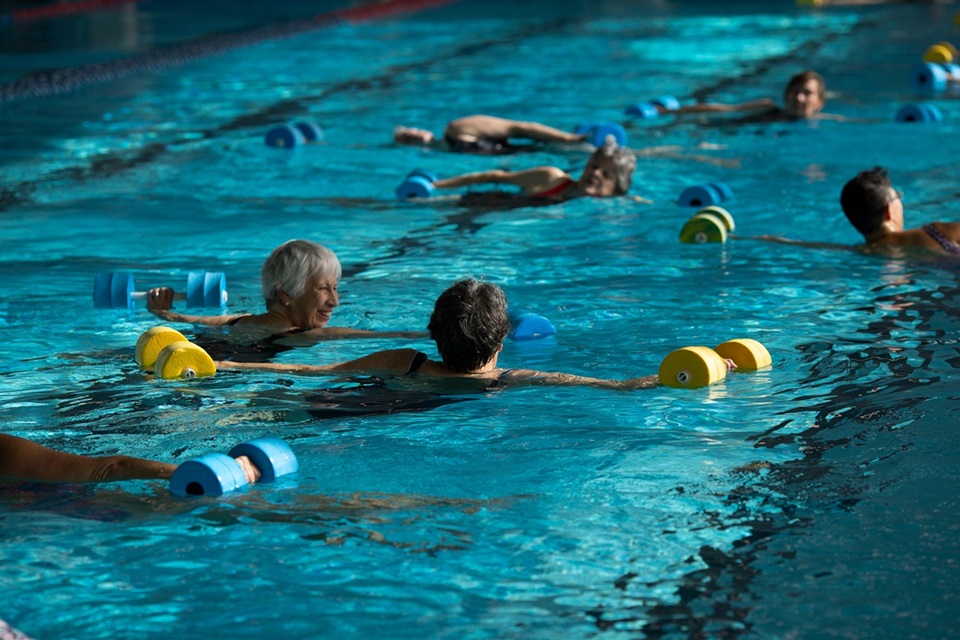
814 499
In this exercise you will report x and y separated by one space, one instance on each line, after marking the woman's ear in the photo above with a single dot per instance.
283 297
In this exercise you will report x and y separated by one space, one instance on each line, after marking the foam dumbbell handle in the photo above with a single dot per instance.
310 131
700 195
415 187
271 455
211 475
530 326
284 137
692 368
929 76
598 135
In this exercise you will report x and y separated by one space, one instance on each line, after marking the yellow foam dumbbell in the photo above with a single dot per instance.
703 228
692 368
940 53
721 213
183 360
152 342
748 354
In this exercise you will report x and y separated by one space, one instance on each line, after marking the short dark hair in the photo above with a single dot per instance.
800 79
469 323
864 199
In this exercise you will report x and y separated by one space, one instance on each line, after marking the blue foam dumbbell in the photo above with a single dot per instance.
653 108
920 112
115 290
930 76
596 133
530 326
284 136
417 184
310 130
703 195
216 474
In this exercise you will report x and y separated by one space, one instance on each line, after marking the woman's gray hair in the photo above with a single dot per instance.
288 267
623 159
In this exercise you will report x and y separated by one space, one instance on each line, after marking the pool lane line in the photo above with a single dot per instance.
56 81
60 10
114 162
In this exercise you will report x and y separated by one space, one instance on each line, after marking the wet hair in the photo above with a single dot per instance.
469 324
623 159
864 199
289 266
800 79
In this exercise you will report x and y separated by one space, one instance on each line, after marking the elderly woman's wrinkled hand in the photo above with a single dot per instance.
159 299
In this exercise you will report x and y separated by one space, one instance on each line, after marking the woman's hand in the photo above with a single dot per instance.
159 299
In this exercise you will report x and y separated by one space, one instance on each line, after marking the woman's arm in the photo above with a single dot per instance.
27 460
552 378
388 361
530 180
716 107
160 299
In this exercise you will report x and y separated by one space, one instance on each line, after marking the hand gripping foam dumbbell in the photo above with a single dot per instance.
216 474
710 224
653 108
702 195
171 356
695 367
116 290
597 133
288 136
417 184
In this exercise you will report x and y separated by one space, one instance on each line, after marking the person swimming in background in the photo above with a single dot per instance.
804 99
300 281
875 209
469 324
608 172
485 134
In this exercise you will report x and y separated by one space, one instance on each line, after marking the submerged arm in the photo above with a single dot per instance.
717 107
389 361
25 459
552 378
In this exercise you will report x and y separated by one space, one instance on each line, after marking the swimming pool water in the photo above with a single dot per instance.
810 500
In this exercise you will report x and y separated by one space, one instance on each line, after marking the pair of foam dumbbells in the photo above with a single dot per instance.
709 224
116 290
939 67
290 136
215 474
695 367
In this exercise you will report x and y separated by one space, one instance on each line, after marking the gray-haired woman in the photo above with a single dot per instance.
300 280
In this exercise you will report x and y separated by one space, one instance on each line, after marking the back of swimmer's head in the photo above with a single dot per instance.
469 324
289 266
864 199
622 161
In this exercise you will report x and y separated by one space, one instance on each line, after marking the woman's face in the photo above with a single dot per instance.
599 178
803 100
312 308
